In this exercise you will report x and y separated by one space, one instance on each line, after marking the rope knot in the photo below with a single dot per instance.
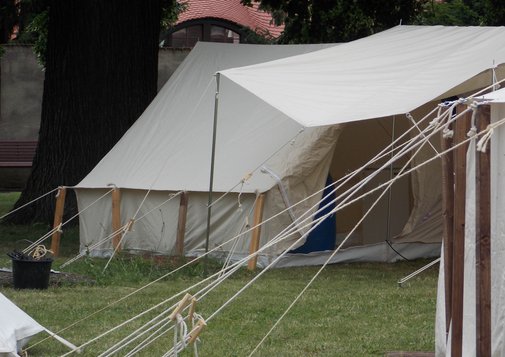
483 142
435 122
447 133
472 132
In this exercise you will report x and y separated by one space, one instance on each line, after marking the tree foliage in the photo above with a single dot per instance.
321 21
463 13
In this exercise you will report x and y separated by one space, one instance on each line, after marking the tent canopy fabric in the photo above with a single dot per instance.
169 146
392 72
16 327
277 131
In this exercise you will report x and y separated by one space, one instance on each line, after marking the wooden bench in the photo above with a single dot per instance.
15 154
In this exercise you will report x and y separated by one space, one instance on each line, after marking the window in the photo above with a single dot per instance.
222 34
187 37
209 31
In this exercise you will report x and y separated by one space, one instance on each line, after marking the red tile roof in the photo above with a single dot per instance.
231 10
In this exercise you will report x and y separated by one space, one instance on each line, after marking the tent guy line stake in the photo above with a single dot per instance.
417 272
212 161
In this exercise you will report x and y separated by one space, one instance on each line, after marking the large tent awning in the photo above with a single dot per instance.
392 72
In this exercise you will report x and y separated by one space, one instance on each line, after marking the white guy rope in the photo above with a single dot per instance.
211 276
94 245
171 272
40 240
483 142
411 118
491 86
121 229
418 271
318 221
132 220
124 323
236 241
388 183
249 174
294 138
159 332
28 203
157 175
329 258
152 324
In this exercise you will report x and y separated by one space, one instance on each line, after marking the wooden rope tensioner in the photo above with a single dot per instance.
197 322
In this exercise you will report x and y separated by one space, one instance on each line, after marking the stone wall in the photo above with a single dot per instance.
21 84
21 87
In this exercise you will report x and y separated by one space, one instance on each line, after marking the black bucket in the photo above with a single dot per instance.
30 273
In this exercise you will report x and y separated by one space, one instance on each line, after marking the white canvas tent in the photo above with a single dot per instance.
278 131
17 327
497 173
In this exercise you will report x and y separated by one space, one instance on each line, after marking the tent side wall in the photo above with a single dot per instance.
303 166
156 232
497 242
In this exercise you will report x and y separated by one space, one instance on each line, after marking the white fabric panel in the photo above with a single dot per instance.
378 252
426 187
498 233
392 72
302 175
16 327
497 253
497 96
303 172
169 146
440 336
469 299
157 231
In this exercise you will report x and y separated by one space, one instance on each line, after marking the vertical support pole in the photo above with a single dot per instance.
448 216
483 240
58 219
181 225
212 159
116 218
390 189
255 235
461 128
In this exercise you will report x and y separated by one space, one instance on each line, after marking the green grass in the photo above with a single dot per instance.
350 310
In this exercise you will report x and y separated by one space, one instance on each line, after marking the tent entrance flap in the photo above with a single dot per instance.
323 237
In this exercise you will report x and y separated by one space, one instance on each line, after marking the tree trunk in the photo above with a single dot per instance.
101 73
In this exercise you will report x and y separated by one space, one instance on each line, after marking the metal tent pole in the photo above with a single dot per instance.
212 159
388 231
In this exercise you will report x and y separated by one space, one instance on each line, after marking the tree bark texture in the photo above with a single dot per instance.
101 74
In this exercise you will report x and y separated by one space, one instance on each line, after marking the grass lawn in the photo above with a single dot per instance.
350 310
